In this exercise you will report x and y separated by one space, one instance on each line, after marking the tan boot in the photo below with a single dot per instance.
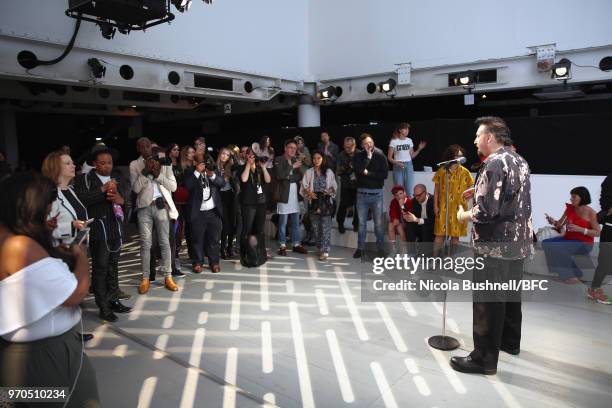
170 285
144 286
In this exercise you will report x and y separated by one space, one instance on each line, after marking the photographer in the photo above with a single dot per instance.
225 163
206 213
153 187
253 177
348 184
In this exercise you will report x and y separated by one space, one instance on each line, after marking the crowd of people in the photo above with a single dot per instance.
177 194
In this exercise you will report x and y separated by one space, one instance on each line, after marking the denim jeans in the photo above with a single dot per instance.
295 228
404 177
148 218
559 253
370 199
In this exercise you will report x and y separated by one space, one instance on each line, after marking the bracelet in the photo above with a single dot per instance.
586 231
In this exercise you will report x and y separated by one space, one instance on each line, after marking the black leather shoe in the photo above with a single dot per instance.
357 254
223 254
380 253
87 336
512 351
178 274
107 315
341 229
118 307
467 365
230 252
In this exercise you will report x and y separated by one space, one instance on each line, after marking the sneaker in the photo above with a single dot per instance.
323 256
599 296
282 251
178 274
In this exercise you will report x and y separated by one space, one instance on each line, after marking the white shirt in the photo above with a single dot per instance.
103 179
31 302
401 149
156 192
292 205
209 204
423 215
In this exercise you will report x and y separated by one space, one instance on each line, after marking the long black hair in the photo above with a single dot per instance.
24 208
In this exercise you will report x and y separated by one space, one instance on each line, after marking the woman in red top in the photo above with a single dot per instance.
579 227
401 203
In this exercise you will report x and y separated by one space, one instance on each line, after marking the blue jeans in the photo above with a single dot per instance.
559 253
370 199
404 177
295 228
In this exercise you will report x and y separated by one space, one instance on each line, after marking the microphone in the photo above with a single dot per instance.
459 160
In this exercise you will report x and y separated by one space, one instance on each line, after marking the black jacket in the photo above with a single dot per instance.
377 166
285 174
428 224
88 189
605 199
196 190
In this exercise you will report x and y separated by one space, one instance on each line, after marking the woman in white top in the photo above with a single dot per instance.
264 149
400 154
40 297
319 189
67 212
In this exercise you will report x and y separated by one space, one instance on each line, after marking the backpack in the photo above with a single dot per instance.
253 250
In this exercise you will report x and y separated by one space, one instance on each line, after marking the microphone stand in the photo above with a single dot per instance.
444 342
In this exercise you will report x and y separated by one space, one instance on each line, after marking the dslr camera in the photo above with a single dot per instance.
209 166
162 160
261 159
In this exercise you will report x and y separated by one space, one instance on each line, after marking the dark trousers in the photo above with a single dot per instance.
347 199
496 324
228 200
604 260
206 227
253 220
105 271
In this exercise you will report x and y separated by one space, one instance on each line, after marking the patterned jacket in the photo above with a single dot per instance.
502 207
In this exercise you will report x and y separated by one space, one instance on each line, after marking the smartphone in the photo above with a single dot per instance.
81 236
89 221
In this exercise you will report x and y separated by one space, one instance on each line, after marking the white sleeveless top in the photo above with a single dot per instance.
31 302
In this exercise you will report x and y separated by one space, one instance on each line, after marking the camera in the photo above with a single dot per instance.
209 166
261 159
163 160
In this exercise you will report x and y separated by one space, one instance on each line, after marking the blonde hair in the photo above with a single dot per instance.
183 162
52 165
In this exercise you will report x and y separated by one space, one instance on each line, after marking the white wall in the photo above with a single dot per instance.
266 37
361 37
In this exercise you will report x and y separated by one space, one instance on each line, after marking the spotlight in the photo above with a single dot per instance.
107 29
248 87
561 71
465 79
181 5
384 86
387 86
326 94
174 78
97 69
126 72
208 1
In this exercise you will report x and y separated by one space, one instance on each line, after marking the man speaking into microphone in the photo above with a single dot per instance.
502 233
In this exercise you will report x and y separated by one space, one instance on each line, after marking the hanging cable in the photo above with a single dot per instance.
28 59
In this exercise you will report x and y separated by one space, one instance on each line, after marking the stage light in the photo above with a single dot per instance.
605 64
181 5
208 1
107 29
387 86
384 86
561 71
248 87
326 94
466 79
97 69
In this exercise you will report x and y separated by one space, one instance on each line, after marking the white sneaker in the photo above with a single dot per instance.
323 256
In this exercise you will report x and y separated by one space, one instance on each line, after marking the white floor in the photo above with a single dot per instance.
294 333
